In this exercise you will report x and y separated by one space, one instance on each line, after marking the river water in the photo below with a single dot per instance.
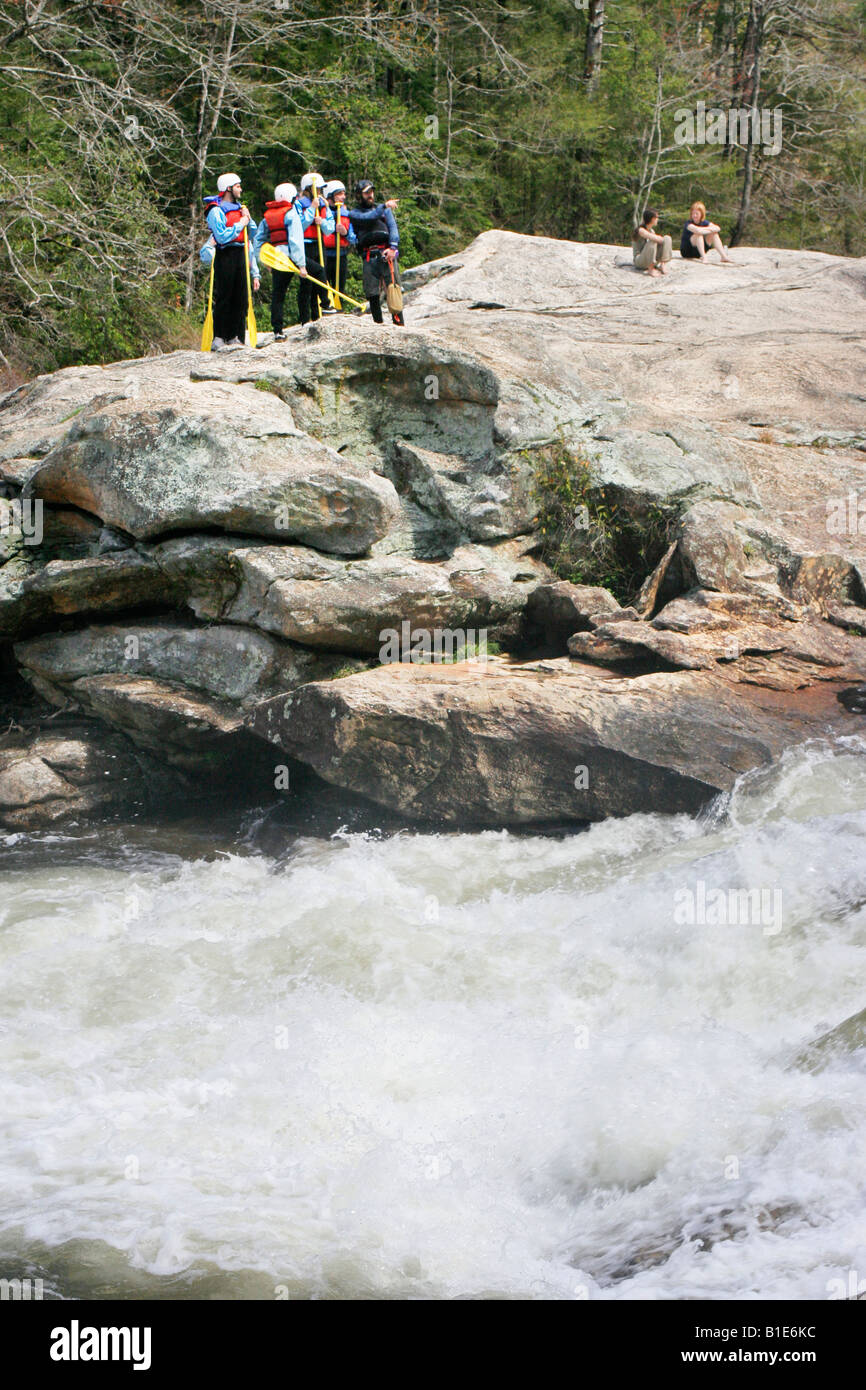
409 1066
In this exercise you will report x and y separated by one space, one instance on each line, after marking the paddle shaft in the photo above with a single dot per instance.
207 331
252 328
276 260
319 238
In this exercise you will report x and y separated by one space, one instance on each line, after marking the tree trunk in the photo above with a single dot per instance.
594 42
446 168
748 92
204 135
745 195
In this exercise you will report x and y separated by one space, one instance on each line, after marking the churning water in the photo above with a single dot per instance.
447 1066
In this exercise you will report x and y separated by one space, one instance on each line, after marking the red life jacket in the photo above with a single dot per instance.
275 214
329 239
232 217
311 233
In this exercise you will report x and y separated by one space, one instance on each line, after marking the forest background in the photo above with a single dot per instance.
562 118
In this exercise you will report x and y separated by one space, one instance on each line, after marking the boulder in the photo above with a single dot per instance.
555 611
346 605
81 771
233 665
40 595
547 742
193 572
413 406
803 652
213 457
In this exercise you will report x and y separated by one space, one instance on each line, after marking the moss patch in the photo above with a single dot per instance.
592 532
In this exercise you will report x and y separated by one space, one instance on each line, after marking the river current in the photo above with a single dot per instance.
413 1065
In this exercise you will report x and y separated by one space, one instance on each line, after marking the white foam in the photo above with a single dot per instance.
451 1066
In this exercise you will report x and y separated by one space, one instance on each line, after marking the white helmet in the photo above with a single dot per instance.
310 179
285 193
226 181
335 186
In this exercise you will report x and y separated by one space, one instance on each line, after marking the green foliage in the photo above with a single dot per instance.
588 535
474 116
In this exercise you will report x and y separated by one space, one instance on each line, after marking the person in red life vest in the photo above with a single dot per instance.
227 219
335 192
282 226
375 227
312 211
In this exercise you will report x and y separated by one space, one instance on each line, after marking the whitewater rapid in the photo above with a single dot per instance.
442 1066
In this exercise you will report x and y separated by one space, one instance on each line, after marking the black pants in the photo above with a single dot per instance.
280 280
311 300
377 277
230 292
331 267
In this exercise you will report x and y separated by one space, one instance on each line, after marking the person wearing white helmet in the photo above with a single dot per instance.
312 209
281 225
336 225
228 219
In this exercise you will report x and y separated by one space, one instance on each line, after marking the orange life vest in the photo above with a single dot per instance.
275 215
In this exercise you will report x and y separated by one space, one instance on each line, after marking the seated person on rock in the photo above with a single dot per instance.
699 235
652 252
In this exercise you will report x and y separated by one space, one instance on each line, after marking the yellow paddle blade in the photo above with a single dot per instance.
275 258
252 330
207 331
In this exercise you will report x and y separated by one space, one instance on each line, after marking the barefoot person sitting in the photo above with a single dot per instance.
651 251
699 235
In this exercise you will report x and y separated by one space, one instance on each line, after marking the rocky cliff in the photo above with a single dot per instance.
223 540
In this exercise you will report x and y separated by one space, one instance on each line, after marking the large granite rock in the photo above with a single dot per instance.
347 605
783 654
491 744
232 664
178 691
212 456
313 494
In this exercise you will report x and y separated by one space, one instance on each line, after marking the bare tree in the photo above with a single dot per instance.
594 42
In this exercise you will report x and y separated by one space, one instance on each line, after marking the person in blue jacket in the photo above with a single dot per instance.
312 210
282 226
375 228
228 219
335 193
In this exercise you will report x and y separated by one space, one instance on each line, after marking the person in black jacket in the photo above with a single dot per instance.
375 228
